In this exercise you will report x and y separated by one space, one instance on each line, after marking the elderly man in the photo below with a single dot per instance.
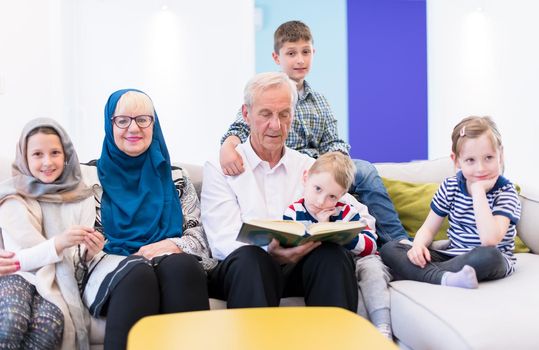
250 276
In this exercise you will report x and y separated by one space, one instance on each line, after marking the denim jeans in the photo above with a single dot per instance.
370 189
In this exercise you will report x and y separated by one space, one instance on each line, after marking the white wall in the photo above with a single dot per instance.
31 61
68 56
483 59
62 58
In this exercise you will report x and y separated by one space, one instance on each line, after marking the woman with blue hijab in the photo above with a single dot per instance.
156 253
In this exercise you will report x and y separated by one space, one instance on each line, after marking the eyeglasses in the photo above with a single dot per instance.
124 121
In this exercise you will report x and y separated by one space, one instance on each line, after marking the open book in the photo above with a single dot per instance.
293 233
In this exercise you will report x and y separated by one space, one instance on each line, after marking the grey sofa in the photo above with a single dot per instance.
498 315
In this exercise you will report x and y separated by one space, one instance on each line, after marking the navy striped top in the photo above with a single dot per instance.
363 245
452 200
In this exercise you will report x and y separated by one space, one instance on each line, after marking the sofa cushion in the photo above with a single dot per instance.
497 315
195 174
412 202
419 171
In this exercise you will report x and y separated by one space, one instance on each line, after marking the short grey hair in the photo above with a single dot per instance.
264 81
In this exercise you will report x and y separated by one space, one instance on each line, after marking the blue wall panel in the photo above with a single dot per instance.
387 79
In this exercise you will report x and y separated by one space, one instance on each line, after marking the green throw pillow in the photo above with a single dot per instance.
412 202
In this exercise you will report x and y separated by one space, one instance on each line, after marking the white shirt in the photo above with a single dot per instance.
260 192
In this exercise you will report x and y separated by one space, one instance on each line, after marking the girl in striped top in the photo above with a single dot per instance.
483 209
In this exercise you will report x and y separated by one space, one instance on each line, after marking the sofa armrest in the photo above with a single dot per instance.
528 226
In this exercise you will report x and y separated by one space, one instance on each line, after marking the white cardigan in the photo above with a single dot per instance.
51 274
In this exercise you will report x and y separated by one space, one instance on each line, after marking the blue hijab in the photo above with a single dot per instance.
140 204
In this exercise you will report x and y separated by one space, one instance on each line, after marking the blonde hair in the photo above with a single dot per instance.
135 100
472 127
337 164
291 31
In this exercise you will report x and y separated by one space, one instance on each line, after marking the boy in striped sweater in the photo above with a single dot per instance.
325 199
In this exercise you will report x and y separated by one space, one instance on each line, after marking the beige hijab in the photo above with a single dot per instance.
67 188
56 283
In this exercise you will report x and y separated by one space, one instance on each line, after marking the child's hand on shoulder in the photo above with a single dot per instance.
230 160
419 255
71 237
94 242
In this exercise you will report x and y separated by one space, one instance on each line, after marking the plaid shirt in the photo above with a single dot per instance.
314 129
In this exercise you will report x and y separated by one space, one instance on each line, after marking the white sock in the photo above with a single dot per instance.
465 278
381 319
385 329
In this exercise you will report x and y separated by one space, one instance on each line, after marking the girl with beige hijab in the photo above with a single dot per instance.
47 216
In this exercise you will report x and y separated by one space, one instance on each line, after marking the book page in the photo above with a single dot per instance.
325 227
292 227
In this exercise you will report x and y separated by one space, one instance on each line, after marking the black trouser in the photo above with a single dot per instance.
176 283
488 262
249 277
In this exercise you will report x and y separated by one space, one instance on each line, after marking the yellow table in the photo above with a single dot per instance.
258 328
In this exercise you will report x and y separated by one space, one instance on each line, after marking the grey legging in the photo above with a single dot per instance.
488 262
27 321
